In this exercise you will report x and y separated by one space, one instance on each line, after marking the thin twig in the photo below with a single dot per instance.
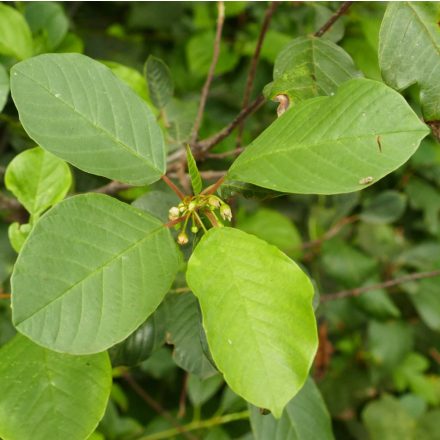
213 188
207 85
383 285
200 148
254 62
210 142
331 232
182 398
329 23
198 424
5 295
112 188
156 406
8 203
206 175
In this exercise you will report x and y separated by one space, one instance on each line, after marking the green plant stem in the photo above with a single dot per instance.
201 424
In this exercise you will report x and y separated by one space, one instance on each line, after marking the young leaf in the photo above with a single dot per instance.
160 82
196 180
304 418
257 312
77 109
4 87
38 179
15 35
309 67
335 144
48 395
92 270
412 56
48 23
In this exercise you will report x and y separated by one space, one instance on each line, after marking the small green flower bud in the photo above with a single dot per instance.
194 229
225 212
182 238
214 201
191 206
174 213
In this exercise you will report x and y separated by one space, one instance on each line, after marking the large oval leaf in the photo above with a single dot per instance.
304 418
413 55
92 270
77 109
309 67
48 395
257 312
335 144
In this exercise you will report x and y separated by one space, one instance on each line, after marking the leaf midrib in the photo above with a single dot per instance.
92 273
98 127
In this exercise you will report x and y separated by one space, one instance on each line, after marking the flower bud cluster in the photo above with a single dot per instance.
199 209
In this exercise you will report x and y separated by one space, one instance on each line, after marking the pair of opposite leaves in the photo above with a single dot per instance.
94 269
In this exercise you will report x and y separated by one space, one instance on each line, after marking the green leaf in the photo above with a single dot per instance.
38 179
412 56
196 180
201 390
389 342
131 77
426 300
184 332
4 87
160 82
48 23
15 35
273 227
378 414
18 234
257 313
304 418
77 109
48 395
199 50
309 67
141 343
386 207
337 144
92 270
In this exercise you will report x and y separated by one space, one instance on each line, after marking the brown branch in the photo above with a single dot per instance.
156 406
210 142
331 21
182 398
112 188
254 62
207 85
331 232
5 295
383 285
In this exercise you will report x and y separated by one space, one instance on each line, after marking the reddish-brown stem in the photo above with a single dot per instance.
211 217
173 187
331 21
172 223
254 62
207 85
5 295
213 188
383 285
